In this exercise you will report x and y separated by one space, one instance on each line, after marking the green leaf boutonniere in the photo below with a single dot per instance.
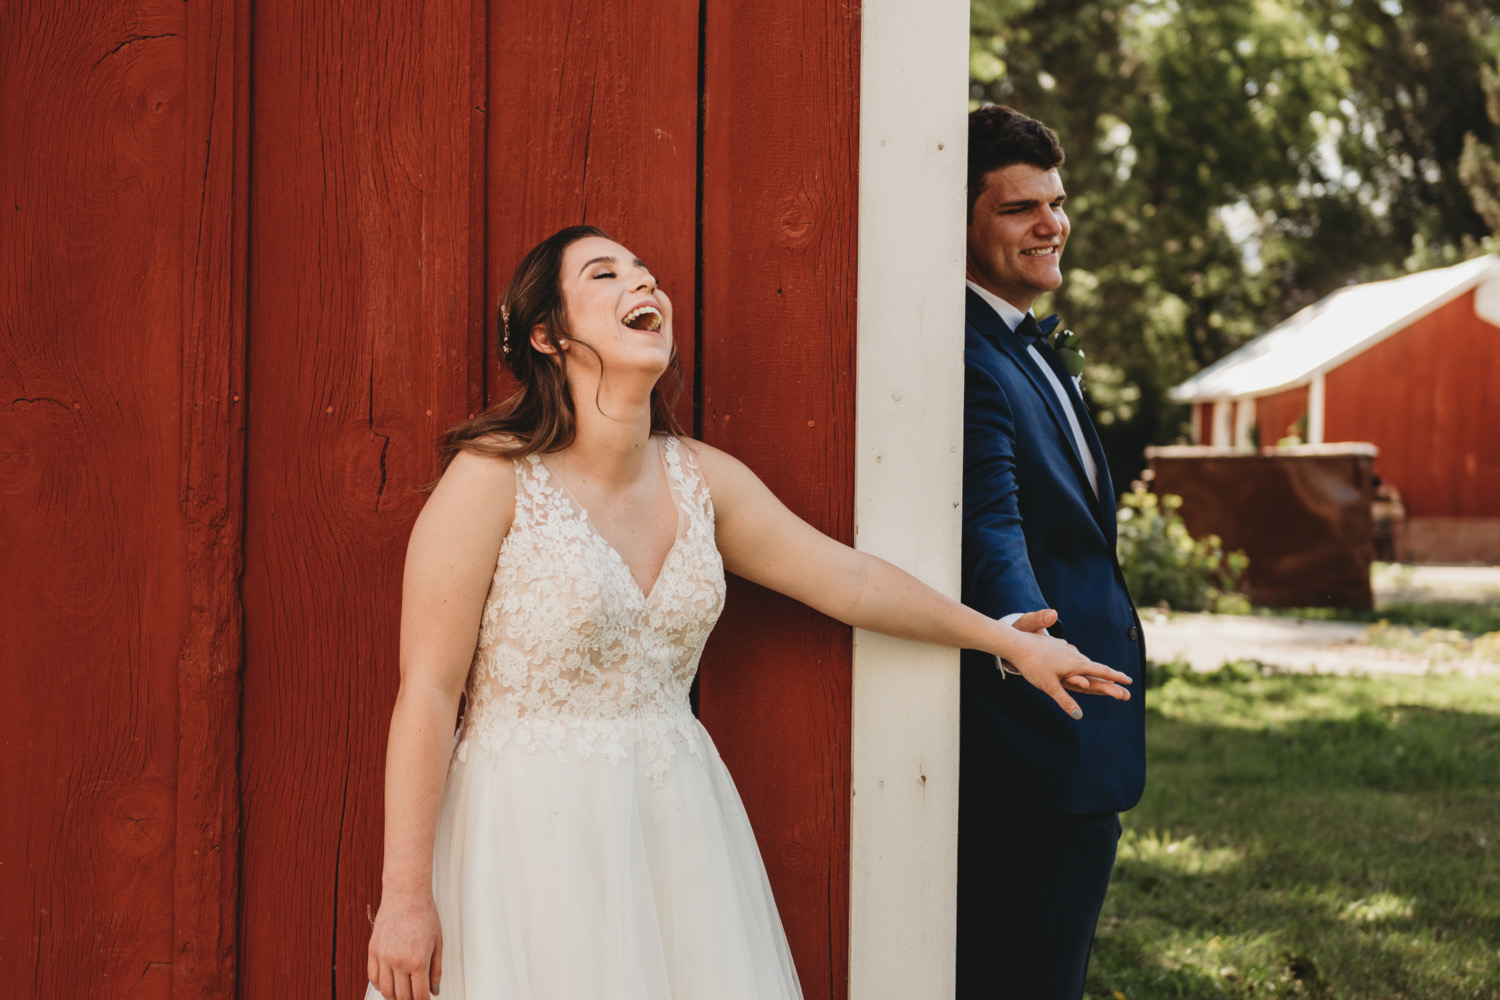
1067 344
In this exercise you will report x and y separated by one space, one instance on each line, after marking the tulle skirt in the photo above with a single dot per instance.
586 880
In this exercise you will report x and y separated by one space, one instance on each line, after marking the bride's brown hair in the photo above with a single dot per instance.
540 418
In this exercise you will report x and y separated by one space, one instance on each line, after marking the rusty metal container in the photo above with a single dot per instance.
1303 515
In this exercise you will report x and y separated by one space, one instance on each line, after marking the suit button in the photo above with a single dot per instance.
1134 633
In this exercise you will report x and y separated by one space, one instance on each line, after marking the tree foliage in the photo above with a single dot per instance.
1231 161
1479 167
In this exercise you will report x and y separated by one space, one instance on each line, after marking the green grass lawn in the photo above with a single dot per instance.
1310 836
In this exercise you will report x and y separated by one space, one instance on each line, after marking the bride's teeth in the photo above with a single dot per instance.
644 318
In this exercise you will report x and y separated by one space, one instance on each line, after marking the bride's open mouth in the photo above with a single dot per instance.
646 318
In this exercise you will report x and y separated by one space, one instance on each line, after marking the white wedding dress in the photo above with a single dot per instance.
591 845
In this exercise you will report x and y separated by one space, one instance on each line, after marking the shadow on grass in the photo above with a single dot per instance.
1317 837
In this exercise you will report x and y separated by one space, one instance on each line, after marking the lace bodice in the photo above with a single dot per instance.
573 658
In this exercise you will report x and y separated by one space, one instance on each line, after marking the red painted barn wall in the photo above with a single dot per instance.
1277 415
365 258
780 203
1205 423
237 332
121 286
595 120
1429 398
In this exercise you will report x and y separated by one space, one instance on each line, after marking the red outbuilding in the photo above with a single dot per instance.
1411 365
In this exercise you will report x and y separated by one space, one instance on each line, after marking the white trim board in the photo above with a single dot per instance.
908 488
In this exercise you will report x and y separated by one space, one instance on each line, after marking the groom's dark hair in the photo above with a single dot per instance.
1002 137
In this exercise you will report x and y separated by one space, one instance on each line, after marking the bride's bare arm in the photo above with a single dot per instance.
764 542
449 563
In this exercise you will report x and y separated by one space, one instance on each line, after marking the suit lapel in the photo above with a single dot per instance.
1090 435
993 328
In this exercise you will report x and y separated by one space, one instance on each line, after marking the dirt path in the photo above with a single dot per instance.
1207 642
1394 583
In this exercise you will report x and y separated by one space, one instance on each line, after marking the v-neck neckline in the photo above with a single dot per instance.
583 515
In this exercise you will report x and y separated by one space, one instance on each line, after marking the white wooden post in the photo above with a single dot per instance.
1244 419
1222 427
1315 410
908 491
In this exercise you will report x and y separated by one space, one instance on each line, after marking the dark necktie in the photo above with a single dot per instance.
1035 332
1029 332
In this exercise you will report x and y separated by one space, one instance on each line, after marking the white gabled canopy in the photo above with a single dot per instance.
1331 331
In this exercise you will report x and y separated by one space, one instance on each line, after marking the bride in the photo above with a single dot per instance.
580 839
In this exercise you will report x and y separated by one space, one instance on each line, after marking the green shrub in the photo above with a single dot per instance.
1163 564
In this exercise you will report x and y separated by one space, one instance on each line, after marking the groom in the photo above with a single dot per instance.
1040 793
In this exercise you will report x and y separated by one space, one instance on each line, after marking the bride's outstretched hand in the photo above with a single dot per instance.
1056 667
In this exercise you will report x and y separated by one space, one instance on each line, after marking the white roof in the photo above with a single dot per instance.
1331 331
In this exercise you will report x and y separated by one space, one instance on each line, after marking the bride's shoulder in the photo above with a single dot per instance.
484 460
705 455
479 481
725 475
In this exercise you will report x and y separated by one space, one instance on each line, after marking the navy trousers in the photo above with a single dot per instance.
1029 893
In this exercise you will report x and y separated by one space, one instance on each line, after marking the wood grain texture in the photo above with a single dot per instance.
93 550
1429 398
780 205
363 346
215 231
594 120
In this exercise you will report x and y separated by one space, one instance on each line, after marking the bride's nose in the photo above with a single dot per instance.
646 283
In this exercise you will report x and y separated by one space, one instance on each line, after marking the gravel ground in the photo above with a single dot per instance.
1395 583
1207 642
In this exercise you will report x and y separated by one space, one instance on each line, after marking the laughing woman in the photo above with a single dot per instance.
581 837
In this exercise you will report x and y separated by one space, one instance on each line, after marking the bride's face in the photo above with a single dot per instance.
614 307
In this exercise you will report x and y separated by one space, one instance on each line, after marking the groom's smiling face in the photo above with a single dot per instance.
1017 232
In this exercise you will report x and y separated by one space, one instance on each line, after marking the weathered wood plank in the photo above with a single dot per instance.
92 553
362 348
215 234
780 205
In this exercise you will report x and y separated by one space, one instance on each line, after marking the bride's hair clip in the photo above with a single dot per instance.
505 330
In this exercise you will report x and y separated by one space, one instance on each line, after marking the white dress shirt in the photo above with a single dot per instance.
1012 317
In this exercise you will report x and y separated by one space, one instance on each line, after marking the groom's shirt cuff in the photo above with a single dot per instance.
1005 665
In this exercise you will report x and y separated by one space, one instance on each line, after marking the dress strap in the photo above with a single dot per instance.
687 481
532 491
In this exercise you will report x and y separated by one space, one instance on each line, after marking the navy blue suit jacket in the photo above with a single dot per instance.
1035 536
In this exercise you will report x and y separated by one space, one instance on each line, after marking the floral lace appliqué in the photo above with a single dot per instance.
573 658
